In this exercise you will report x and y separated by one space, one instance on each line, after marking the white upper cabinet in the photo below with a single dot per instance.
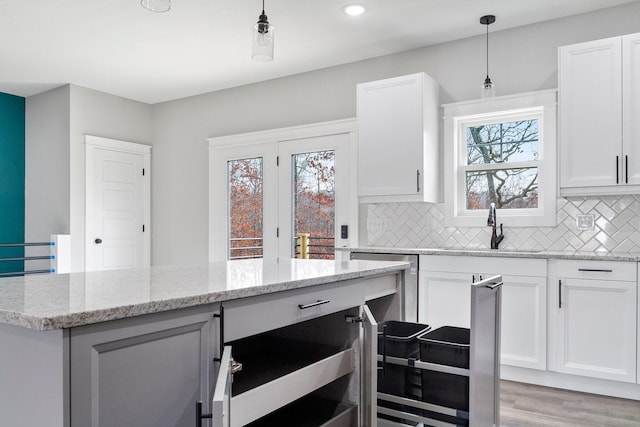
631 104
598 100
398 142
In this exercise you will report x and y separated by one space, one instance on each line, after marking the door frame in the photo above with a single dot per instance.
217 217
94 143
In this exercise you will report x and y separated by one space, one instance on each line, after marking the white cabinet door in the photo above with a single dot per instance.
445 299
590 98
221 400
631 106
596 328
398 146
524 322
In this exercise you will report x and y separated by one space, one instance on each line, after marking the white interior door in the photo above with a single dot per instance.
116 215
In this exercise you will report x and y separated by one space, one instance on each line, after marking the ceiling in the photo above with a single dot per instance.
199 46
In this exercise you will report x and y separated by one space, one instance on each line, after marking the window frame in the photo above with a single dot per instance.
460 116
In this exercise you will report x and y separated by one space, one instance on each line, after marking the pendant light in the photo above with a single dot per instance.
262 39
156 5
488 89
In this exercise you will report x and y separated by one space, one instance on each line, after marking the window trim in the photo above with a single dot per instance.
458 116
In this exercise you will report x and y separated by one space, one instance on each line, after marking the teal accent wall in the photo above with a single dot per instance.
12 161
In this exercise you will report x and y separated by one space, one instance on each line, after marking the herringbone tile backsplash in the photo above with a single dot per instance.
616 227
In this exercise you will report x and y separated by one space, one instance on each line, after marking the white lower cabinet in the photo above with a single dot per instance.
444 300
307 354
593 318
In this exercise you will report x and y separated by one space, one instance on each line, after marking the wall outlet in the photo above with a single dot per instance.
585 222
378 224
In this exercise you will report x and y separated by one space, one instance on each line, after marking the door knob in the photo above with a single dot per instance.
98 241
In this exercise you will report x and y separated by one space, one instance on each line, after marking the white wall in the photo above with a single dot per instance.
521 59
47 200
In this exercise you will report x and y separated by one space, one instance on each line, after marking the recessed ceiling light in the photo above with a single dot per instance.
354 9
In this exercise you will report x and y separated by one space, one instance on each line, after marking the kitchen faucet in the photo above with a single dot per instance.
492 221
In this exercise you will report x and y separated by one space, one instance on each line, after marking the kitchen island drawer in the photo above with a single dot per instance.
311 411
268 312
608 270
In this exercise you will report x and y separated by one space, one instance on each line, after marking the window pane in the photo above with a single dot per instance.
515 141
314 202
507 188
245 203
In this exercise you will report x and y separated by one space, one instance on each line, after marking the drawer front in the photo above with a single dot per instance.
249 316
262 400
485 265
609 270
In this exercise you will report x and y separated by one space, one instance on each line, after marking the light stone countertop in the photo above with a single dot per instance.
509 253
57 301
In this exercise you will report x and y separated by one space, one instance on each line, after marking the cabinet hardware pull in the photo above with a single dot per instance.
626 169
617 170
595 270
199 415
473 278
384 350
559 293
221 332
313 304
418 181
493 286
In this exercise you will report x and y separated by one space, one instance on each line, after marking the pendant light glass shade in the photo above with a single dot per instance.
488 89
156 5
262 39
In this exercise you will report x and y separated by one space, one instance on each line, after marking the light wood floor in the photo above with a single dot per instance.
526 405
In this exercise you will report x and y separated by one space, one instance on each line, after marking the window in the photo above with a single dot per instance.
245 204
501 151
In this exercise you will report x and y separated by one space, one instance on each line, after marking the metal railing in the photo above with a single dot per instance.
307 246
21 271
246 248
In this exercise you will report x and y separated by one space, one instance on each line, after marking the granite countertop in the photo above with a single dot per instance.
57 301
509 253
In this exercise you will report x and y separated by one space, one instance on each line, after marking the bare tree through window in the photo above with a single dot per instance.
499 165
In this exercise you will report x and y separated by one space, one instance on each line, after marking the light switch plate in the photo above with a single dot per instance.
585 222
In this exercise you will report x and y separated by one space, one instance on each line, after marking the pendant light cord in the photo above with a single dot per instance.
487 50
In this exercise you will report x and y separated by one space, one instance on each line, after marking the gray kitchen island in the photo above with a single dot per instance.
141 347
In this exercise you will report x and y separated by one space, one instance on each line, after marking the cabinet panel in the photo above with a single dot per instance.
445 294
524 322
126 370
631 105
398 145
590 113
445 299
596 328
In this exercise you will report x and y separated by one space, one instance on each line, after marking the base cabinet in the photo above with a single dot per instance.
149 369
317 361
444 295
594 314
